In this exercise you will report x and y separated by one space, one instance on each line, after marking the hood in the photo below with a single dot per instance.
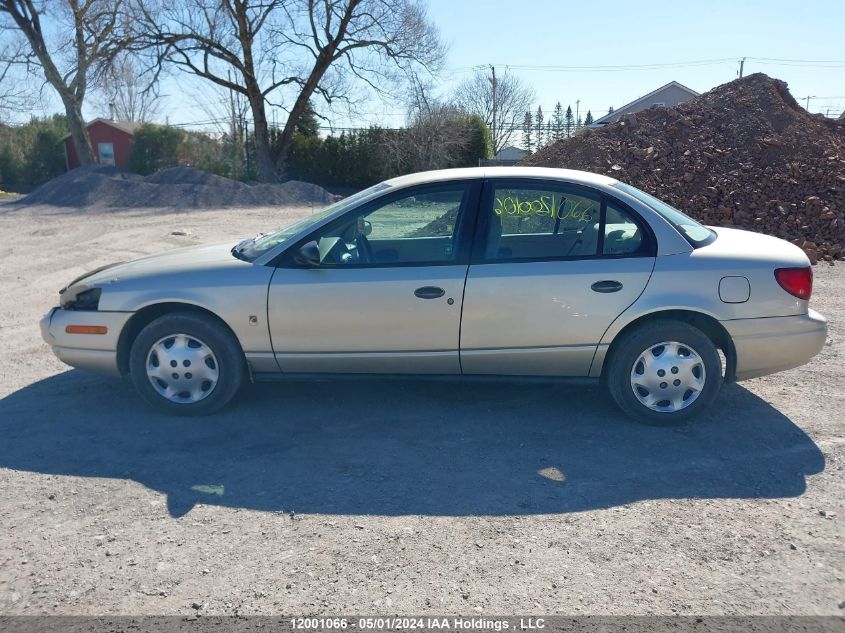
182 260
753 247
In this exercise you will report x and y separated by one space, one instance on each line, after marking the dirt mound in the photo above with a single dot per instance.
183 175
175 188
744 154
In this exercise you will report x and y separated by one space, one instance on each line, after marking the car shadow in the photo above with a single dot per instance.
405 447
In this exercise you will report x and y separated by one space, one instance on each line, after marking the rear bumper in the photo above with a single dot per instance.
96 352
768 345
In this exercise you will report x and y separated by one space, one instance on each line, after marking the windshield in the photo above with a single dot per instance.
254 248
695 233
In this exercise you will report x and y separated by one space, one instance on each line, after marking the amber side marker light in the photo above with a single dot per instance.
86 329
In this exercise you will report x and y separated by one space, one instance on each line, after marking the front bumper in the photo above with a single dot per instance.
768 345
96 352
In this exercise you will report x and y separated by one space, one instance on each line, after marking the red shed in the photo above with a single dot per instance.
111 141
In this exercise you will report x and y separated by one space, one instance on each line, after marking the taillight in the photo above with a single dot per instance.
796 281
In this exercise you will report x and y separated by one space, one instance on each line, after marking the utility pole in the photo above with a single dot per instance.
577 110
246 149
493 131
807 108
741 66
233 123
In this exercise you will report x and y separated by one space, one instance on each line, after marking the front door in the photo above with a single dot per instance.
386 295
553 266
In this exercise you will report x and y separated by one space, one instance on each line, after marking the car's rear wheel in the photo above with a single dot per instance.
187 364
664 372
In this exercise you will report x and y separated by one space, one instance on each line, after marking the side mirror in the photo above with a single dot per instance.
368 228
308 254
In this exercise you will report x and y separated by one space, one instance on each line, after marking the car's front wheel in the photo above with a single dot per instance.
187 364
664 372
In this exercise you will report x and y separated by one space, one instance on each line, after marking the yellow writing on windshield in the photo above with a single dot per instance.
549 205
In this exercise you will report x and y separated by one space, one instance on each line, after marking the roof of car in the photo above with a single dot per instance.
571 175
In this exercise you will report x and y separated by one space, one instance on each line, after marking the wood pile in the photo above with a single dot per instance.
745 154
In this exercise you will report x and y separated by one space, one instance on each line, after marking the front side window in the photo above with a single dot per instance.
259 245
416 227
538 222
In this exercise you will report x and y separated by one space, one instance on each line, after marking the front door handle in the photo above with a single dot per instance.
607 285
429 292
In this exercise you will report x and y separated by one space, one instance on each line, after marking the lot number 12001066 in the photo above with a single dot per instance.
306 624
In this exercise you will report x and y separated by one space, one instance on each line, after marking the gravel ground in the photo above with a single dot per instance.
396 497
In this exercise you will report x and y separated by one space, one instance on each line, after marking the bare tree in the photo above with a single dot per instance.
89 34
503 109
15 94
227 112
377 42
227 42
435 135
125 93
435 138
288 50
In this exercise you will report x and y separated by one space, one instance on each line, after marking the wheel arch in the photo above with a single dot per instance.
709 325
147 315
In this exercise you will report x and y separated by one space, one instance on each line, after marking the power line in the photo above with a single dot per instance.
821 63
621 68
799 61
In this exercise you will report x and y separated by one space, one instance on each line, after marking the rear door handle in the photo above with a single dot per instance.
429 292
608 285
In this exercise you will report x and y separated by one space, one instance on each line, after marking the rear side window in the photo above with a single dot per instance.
541 223
695 233
622 235
523 221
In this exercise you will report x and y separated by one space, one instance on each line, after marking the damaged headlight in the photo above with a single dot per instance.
88 300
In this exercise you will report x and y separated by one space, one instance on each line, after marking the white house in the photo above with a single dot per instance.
511 153
669 96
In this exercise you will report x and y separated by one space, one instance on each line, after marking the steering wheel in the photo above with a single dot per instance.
365 250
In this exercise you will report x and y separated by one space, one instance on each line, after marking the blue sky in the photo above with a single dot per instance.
622 33
612 33
639 32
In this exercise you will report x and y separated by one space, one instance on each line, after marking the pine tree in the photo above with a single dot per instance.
557 122
308 125
610 110
588 120
569 122
550 136
539 140
527 132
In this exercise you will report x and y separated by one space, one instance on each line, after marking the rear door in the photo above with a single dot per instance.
552 266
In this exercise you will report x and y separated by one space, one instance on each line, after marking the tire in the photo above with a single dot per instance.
635 381
206 360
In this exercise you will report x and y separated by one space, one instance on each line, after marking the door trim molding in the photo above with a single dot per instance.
528 361
411 362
